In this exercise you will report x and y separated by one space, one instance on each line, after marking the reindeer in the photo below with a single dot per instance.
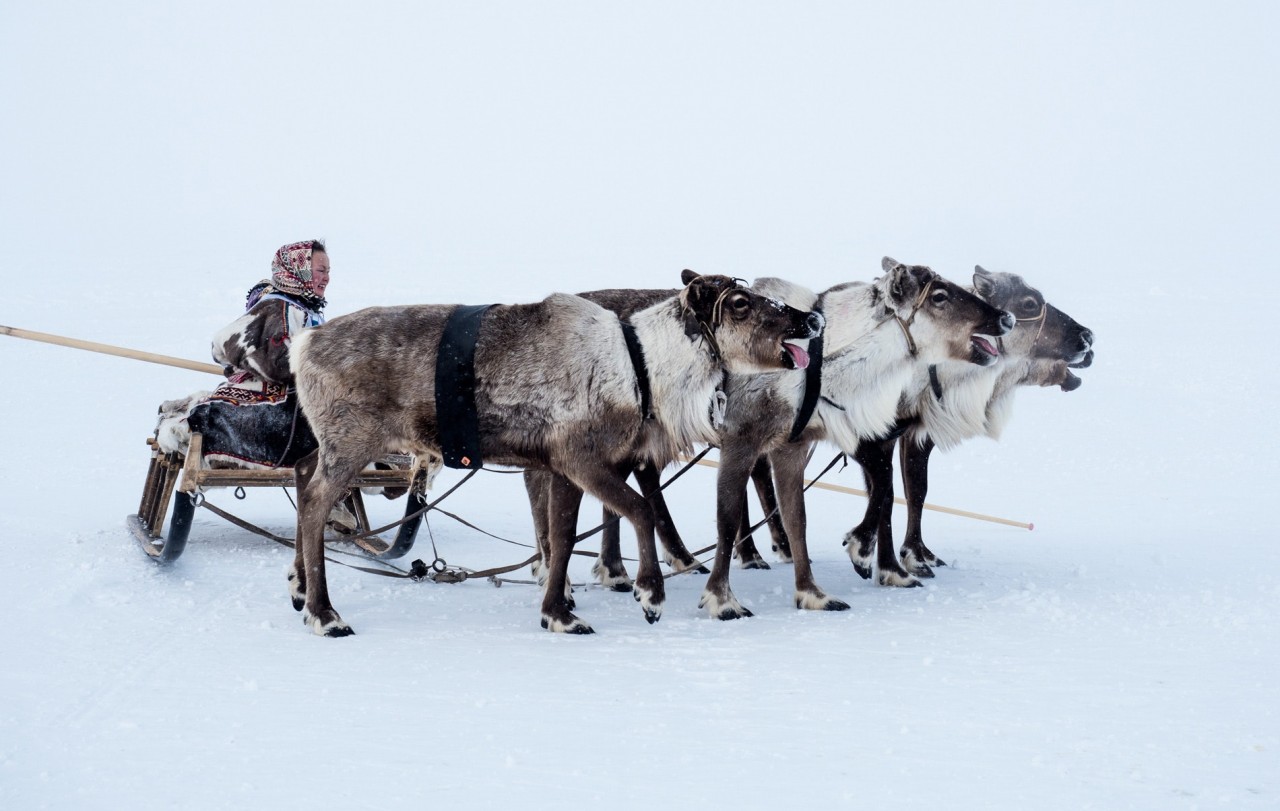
556 386
950 402
877 336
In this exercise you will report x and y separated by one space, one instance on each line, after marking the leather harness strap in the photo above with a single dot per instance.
934 382
642 371
456 417
812 387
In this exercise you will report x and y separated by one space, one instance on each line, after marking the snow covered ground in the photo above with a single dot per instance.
1121 655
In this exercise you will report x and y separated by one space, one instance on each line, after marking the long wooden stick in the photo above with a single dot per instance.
108 349
936 508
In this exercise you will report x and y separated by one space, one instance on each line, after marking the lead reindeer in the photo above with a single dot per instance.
555 387
877 336
951 402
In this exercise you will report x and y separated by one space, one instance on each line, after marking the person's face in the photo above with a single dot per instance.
319 272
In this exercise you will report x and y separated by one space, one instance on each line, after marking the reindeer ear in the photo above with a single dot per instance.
983 282
906 282
687 276
700 293
888 263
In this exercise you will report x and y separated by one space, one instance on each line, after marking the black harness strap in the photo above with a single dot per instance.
456 416
812 388
934 382
642 371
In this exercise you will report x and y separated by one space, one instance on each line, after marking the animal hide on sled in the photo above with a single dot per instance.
236 436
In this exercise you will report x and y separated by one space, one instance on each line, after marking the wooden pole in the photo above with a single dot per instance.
948 510
108 349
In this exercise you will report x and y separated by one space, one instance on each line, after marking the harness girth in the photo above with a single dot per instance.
456 417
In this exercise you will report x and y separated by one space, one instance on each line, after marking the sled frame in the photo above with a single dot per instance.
178 478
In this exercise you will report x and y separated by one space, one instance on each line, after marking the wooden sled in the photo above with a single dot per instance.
177 478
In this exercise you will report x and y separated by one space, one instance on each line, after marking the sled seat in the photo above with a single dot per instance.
180 477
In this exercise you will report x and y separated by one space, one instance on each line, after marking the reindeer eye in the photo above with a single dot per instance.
1030 305
940 297
739 304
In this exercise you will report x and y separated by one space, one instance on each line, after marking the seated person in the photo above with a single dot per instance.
253 419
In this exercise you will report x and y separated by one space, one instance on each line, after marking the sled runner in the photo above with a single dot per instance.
182 479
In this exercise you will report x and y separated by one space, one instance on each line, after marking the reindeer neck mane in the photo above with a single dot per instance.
683 378
866 366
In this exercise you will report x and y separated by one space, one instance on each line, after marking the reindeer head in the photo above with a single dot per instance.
1052 340
748 332
940 320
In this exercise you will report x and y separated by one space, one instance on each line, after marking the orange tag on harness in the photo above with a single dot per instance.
466 460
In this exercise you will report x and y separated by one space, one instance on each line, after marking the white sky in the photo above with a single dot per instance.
452 147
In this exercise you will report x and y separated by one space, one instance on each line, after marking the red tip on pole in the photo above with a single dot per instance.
1031 526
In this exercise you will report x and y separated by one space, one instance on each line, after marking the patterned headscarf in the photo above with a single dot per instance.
290 275
291 269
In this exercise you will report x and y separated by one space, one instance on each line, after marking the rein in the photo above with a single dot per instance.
438 571
915 308
1044 311
717 316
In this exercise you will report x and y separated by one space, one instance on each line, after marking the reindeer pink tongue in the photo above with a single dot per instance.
798 356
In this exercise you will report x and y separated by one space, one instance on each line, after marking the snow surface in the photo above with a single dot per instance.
1122 655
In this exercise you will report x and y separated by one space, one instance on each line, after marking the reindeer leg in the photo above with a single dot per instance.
610 486
609 568
788 468
536 486
297 575
564 498
890 572
916 557
319 489
731 502
674 553
860 541
745 550
762 477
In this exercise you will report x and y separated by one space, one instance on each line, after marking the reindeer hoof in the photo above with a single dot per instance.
818 601
754 563
650 600
326 623
723 608
900 580
612 580
568 625
689 565
918 565
863 570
